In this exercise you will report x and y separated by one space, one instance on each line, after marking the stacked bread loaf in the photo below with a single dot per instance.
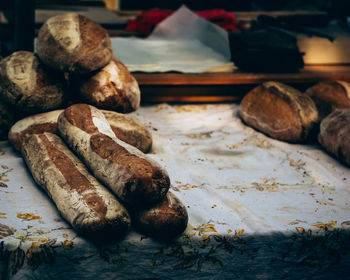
91 162
74 60
284 113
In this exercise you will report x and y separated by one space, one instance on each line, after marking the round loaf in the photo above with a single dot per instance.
280 111
112 88
164 221
126 128
330 95
334 134
30 86
73 43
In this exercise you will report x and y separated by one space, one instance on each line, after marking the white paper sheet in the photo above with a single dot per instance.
183 42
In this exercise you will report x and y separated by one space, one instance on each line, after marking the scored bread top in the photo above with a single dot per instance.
65 30
20 70
73 43
279 111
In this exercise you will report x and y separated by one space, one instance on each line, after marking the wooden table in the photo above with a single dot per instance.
227 87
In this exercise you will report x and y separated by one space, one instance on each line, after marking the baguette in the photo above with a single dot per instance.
87 205
129 173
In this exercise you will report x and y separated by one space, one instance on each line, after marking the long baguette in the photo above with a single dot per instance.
88 206
135 178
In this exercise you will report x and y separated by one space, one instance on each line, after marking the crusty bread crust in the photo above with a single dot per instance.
329 96
279 111
87 205
164 221
29 85
334 134
129 173
125 127
111 88
74 43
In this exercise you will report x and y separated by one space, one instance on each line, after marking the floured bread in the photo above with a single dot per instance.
35 124
112 88
279 111
29 85
330 95
125 127
73 43
133 176
165 220
129 130
334 134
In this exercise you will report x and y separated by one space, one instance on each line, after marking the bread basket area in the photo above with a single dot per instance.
96 183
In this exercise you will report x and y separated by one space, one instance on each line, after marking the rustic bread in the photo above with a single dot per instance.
126 128
112 88
73 43
35 124
87 205
165 221
30 86
129 173
334 134
279 111
129 130
330 95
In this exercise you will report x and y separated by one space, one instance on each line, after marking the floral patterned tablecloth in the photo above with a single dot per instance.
258 209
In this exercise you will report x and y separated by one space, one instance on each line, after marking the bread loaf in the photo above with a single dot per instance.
126 128
111 88
334 134
129 130
87 205
329 96
165 221
279 111
73 43
36 124
30 86
129 173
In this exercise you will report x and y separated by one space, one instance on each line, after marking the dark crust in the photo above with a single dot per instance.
254 104
151 182
94 52
335 134
48 93
135 138
116 98
118 101
328 96
17 139
163 221
77 181
100 230
79 115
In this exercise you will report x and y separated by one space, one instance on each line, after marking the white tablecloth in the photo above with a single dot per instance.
258 209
